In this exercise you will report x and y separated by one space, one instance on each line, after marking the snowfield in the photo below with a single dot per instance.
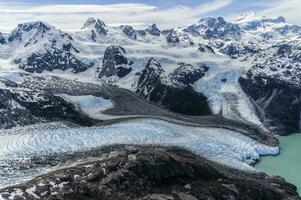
90 105
226 147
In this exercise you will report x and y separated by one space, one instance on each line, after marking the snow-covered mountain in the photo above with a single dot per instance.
255 59
38 46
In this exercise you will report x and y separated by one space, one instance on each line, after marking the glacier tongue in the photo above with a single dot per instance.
224 146
224 93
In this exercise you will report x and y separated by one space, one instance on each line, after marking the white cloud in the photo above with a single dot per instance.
73 16
290 9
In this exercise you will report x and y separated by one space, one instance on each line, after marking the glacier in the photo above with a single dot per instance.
24 143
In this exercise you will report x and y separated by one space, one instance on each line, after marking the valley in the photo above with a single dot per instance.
85 114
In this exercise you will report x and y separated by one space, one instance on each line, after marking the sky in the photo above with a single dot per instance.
71 14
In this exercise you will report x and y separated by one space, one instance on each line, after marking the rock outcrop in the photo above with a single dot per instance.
20 107
97 27
115 63
172 37
214 28
150 173
274 85
129 31
153 30
2 39
206 49
150 78
53 59
45 48
166 91
278 103
188 74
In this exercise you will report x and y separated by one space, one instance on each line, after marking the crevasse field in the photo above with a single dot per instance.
224 146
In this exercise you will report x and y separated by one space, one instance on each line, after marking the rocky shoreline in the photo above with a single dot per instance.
151 172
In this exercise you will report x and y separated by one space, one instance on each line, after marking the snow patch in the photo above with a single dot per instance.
90 105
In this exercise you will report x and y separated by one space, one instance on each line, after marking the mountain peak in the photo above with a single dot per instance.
211 21
153 30
92 22
30 30
252 16
40 26
97 28
2 39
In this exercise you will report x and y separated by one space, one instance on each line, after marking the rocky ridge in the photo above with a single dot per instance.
150 173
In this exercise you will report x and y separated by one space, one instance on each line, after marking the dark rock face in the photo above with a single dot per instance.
215 28
152 173
278 103
231 50
219 28
129 31
172 37
13 114
40 27
56 50
54 59
284 50
150 77
141 32
152 86
193 30
206 49
182 100
188 74
2 39
21 107
166 31
235 50
285 30
98 27
115 63
37 31
153 30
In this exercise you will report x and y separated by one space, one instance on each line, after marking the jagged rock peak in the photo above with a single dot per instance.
129 31
115 63
151 74
2 39
153 30
40 27
52 60
92 22
173 37
116 53
97 27
29 34
188 74
154 64
205 48
211 22
150 78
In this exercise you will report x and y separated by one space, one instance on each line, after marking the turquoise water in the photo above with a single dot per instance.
288 163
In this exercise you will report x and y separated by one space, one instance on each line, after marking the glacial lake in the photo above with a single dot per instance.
288 163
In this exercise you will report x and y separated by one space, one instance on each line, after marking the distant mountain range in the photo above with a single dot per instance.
258 56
